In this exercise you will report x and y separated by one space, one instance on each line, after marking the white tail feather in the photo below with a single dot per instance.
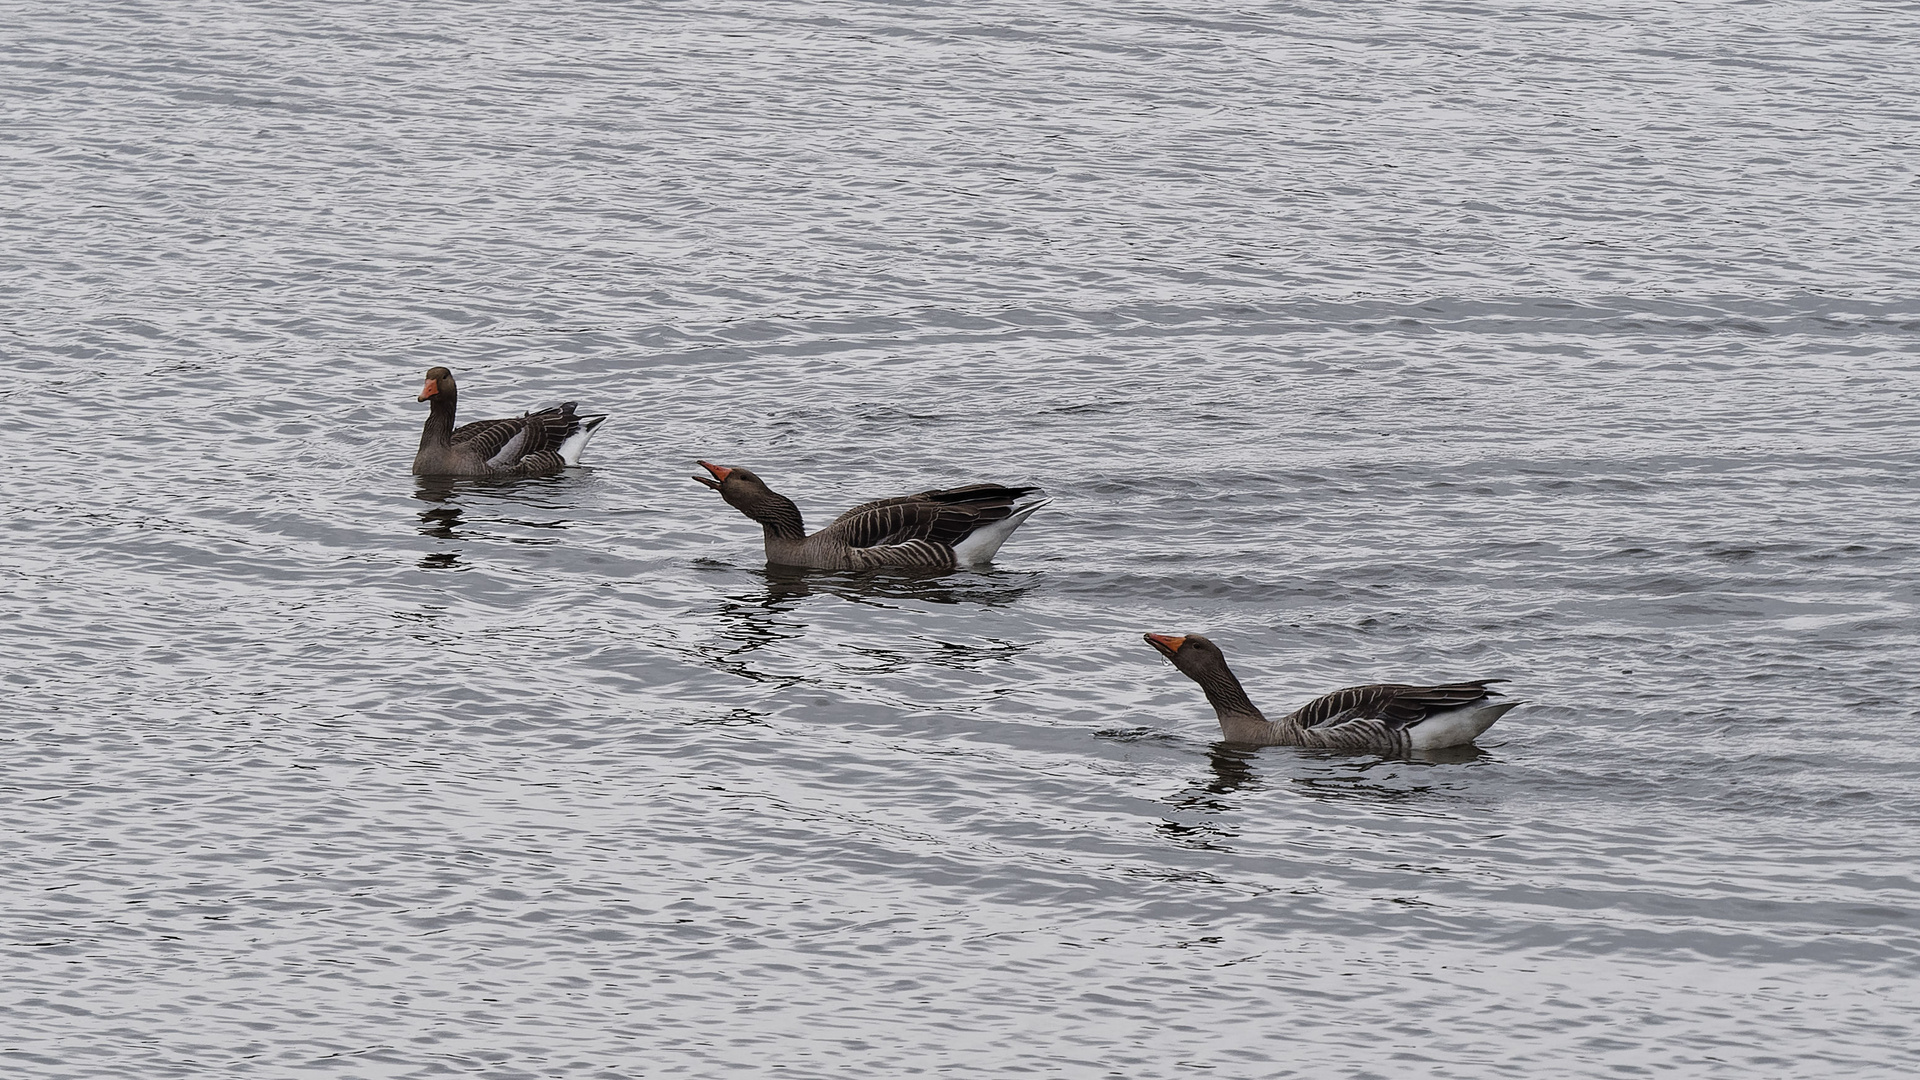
980 546
576 443
1456 727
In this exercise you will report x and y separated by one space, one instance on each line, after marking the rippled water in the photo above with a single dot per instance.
1377 342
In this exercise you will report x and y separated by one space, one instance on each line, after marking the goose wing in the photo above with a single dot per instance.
487 438
502 443
941 515
886 522
1395 705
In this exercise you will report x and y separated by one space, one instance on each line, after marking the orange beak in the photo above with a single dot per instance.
1166 643
432 388
720 473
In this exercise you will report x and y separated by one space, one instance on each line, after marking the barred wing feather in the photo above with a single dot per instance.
1393 704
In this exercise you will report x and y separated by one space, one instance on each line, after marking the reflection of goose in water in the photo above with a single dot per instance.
434 489
446 518
441 520
933 530
1232 770
758 622
747 625
1201 813
1405 781
988 589
1389 718
1211 798
1204 813
534 444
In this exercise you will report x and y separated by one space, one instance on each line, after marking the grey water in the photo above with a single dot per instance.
1574 345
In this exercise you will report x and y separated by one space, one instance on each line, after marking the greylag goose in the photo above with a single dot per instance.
934 530
1390 718
536 444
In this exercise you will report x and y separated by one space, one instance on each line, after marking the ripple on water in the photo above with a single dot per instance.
1375 344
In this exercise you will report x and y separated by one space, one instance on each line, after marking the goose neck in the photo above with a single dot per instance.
439 427
1226 695
779 518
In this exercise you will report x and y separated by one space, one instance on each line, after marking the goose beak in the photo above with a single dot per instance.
432 388
1166 643
720 473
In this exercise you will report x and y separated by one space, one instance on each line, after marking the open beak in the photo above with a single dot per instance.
432 388
720 474
1166 643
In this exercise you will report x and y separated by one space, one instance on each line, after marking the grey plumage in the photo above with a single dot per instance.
535 444
931 530
1389 718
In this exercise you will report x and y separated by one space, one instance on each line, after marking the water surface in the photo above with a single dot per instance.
1374 341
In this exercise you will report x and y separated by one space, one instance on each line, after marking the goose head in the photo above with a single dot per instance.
439 385
1193 654
746 492
1202 661
732 482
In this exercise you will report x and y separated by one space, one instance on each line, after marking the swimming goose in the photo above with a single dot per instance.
934 530
536 444
1388 717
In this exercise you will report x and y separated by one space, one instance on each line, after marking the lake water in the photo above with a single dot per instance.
1377 342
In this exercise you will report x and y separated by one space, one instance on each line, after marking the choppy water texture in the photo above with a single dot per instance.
1375 341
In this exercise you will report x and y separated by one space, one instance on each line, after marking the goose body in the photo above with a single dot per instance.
1389 718
536 444
932 530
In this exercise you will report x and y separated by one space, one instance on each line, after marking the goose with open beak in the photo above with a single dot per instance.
933 530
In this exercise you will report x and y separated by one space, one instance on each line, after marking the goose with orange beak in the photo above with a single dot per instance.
933 530
1387 718
535 444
